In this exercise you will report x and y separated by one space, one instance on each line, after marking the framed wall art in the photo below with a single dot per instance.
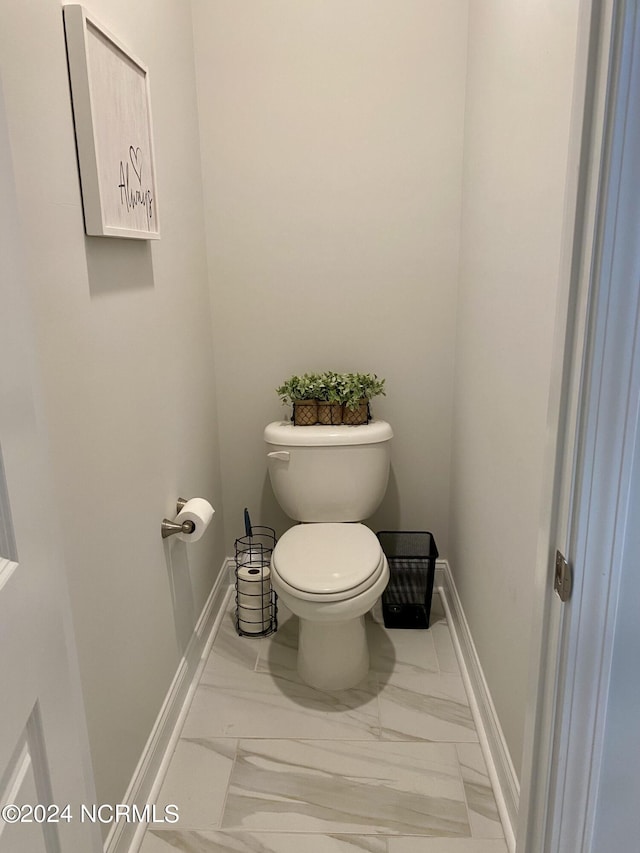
114 139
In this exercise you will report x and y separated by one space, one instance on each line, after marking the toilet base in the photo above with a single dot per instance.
333 655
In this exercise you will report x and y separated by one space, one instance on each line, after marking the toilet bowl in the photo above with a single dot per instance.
329 570
330 575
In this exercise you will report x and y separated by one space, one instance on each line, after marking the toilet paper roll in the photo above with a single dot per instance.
254 620
254 587
200 512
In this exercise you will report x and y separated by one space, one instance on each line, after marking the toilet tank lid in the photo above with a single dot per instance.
284 432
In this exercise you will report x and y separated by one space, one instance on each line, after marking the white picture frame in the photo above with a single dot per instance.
114 138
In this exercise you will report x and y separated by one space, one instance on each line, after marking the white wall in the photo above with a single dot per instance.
332 156
519 87
125 346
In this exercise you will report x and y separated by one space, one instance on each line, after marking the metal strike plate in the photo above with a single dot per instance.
563 582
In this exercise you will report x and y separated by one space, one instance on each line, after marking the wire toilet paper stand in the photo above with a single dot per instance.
256 600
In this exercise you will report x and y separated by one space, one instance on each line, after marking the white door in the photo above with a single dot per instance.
599 640
44 757
571 805
547 673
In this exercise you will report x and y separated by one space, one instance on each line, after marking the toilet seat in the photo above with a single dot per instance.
327 561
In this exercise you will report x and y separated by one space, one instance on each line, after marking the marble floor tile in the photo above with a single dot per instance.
437 608
481 803
197 781
445 845
267 764
346 787
410 652
427 707
280 706
279 653
171 841
230 649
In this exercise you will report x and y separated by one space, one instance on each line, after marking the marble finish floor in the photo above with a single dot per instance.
266 764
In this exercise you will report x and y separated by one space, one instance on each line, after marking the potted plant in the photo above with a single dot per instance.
330 394
359 389
300 392
330 398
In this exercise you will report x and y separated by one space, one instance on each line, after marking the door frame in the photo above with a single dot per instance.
601 387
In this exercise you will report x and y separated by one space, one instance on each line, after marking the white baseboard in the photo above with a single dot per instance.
148 776
494 746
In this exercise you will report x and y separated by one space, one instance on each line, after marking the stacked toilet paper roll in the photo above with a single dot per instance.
254 597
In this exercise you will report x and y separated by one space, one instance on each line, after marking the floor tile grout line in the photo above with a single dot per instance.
464 790
228 786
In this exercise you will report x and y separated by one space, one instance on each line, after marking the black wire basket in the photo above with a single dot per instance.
406 602
256 600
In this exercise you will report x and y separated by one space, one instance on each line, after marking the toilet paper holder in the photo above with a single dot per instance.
170 528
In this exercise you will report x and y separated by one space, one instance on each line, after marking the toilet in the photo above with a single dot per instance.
329 570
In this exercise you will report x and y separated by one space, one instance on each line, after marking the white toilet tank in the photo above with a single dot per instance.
329 473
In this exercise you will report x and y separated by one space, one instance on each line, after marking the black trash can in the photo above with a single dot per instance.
411 554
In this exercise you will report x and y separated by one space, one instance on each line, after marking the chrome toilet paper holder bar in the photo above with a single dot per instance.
170 528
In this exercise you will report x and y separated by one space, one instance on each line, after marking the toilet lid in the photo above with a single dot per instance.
328 558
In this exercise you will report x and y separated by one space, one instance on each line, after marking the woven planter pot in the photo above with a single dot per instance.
305 412
329 413
359 415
